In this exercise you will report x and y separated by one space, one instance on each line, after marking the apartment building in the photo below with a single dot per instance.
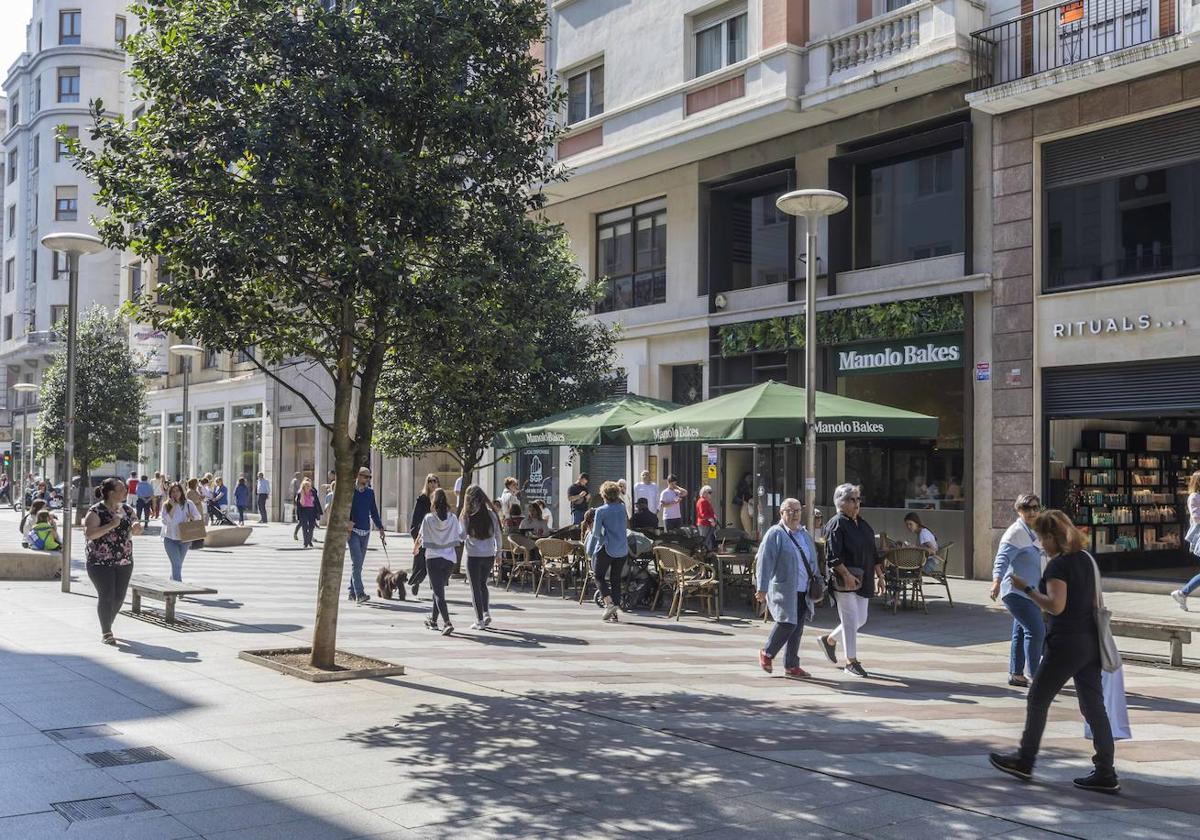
1095 157
72 56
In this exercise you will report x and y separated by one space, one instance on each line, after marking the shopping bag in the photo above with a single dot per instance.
1110 657
191 530
1113 686
1193 538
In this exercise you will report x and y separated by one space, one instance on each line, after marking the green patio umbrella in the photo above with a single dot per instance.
773 412
587 425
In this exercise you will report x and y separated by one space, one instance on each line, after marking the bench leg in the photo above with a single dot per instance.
136 602
1177 652
170 610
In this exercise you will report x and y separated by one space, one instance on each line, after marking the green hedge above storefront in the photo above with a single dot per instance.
898 320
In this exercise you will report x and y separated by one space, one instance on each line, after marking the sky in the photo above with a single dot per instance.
14 14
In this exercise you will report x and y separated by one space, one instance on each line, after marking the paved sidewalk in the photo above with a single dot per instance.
552 724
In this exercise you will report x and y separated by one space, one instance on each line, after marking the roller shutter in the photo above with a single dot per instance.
1156 388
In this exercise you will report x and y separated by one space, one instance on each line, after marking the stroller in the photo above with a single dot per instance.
217 516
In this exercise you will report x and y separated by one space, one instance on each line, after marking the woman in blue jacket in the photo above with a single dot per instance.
786 558
241 498
608 546
1020 554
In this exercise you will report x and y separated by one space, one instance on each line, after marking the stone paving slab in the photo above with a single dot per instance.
554 724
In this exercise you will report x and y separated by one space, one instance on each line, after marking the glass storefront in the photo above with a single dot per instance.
247 442
173 462
210 442
150 447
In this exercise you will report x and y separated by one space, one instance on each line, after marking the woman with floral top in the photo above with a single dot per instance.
108 527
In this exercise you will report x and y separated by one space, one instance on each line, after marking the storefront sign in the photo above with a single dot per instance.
212 415
148 347
895 356
677 433
545 437
1114 325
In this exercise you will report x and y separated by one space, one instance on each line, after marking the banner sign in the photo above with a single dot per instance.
148 347
537 468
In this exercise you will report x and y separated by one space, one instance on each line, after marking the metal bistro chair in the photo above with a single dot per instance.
558 563
939 570
690 577
906 564
523 550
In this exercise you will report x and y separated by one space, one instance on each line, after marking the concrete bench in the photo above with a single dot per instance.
163 590
225 536
28 564
1162 631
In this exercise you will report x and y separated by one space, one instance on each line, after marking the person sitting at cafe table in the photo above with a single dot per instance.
925 540
512 521
643 518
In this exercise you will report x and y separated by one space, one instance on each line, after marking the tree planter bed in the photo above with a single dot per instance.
347 666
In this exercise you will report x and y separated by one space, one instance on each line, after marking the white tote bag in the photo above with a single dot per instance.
1113 685
1110 657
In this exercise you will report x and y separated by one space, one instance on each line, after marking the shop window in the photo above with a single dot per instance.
720 40
585 94
910 208
1122 228
631 256
749 238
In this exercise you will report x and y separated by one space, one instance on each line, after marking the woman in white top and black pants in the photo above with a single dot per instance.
440 533
481 545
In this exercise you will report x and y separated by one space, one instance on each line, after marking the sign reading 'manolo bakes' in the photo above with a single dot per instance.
944 351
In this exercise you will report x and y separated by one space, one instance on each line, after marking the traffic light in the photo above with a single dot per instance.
8 461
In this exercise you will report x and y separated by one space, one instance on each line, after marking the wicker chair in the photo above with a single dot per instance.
690 578
524 553
905 564
939 571
558 563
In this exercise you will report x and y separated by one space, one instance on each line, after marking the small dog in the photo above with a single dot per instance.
387 582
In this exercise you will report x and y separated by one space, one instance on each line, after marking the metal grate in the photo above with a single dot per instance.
120 758
78 810
182 624
79 733
1143 388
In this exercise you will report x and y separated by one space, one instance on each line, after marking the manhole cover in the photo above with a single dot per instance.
78 810
120 758
78 733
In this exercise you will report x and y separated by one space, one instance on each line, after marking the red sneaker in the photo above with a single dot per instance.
764 661
797 672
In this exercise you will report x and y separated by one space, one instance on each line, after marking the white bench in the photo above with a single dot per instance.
162 590
1160 631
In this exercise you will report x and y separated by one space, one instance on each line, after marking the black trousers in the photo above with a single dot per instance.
262 507
478 569
419 568
439 575
608 575
308 522
111 584
787 636
1069 656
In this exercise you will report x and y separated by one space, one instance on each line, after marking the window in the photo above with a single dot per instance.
893 5
119 29
34 217
720 43
631 256
14 112
10 274
11 225
137 114
69 23
910 207
66 204
244 357
12 166
35 152
210 359
60 145
59 265
749 238
1122 227
39 40
33 274
58 313
68 84
585 95
135 281
8 321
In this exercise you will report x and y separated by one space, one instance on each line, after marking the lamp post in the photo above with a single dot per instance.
812 205
186 352
74 245
26 449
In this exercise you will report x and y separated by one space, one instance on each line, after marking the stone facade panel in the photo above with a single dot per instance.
1017 262
1055 116
1012 154
1105 103
1007 291
1013 458
1011 208
1013 347
1013 235
1006 486
1015 318
1017 125
1156 91
1012 179
1012 402
1013 430
1190 77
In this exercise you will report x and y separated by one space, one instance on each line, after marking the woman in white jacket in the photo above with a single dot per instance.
176 511
441 531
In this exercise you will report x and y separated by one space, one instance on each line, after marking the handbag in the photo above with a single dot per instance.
1110 657
1113 686
1193 538
816 586
835 580
191 530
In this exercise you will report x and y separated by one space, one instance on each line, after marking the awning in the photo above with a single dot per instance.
588 425
773 412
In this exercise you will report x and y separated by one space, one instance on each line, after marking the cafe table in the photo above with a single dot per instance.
731 558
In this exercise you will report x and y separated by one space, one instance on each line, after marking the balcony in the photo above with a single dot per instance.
919 47
1073 46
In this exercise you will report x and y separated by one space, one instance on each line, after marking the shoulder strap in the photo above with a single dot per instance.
1099 587
807 566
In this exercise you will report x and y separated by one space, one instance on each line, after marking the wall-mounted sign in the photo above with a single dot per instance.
893 356
983 372
1114 325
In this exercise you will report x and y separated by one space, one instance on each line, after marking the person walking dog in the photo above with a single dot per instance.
363 512
787 567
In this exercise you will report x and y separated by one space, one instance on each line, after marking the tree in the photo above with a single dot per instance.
300 164
506 342
110 396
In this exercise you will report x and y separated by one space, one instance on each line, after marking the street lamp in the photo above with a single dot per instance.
74 245
26 449
187 352
812 205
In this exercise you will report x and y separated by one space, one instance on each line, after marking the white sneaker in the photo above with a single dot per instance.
609 612
487 619
1180 599
477 625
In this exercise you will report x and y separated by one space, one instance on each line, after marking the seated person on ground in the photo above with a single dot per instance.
44 534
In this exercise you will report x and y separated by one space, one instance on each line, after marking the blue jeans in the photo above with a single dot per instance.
1191 586
787 636
358 554
176 551
577 516
1028 634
